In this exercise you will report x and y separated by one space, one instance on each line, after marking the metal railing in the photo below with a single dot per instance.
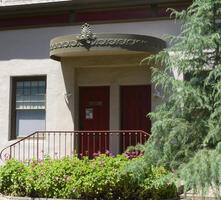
57 144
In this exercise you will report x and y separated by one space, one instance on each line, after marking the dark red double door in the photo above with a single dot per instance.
94 114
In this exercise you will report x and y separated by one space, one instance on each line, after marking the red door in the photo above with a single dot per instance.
136 104
94 115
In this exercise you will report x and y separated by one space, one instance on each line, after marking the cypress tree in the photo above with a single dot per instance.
186 134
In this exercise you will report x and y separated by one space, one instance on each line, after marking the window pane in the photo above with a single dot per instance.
27 105
19 105
41 105
27 84
26 98
27 91
19 84
41 90
19 98
19 91
42 83
29 121
34 90
34 83
34 105
37 98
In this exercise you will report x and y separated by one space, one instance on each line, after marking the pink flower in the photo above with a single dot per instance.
72 164
95 154
19 168
168 183
160 170
42 151
111 155
32 166
56 178
125 155
101 163
107 152
31 177
114 170
117 162
68 179
73 191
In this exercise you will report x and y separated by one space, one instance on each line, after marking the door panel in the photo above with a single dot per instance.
94 115
135 105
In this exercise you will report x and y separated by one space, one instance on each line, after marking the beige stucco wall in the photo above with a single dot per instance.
26 53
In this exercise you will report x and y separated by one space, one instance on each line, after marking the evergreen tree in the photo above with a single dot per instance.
186 134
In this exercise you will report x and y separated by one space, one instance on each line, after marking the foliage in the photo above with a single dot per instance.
187 133
103 177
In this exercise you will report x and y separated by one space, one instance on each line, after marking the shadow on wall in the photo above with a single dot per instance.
34 43
29 43
69 88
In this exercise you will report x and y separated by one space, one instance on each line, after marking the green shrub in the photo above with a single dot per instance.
104 177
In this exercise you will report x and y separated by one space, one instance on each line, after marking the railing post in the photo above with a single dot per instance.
23 150
19 152
124 142
59 149
54 146
94 138
37 146
76 141
82 144
10 155
71 144
100 142
141 138
65 146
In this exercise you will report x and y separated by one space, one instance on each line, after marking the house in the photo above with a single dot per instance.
72 70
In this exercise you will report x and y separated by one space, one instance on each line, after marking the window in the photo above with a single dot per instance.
28 108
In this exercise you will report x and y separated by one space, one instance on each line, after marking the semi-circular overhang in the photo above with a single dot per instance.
104 44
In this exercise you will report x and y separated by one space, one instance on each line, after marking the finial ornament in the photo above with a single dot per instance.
86 35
